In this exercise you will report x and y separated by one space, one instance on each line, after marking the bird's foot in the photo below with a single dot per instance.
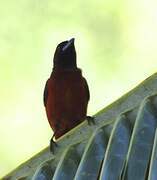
90 120
52 145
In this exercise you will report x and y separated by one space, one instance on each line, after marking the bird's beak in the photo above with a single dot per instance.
69 43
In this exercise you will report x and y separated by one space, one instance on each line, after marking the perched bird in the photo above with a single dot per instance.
66 92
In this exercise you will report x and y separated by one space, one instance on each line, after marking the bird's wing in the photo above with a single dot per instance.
87 89
45 93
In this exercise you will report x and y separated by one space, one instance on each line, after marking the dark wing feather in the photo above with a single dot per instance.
45 93
87 89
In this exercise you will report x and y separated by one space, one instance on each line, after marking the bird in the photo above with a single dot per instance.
66 92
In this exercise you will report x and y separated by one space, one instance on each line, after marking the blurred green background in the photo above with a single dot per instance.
116 48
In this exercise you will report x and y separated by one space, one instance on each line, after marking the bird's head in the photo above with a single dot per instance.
65 55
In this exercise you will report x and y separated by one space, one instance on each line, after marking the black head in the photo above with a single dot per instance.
65 55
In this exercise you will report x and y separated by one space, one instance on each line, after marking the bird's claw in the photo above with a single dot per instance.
52 145
90 120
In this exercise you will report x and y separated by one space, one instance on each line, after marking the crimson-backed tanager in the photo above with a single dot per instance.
66 92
